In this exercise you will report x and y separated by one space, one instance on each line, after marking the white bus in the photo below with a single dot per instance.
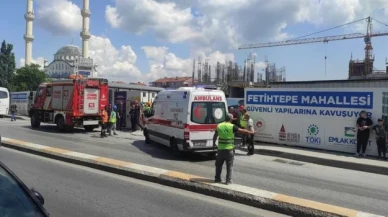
4 101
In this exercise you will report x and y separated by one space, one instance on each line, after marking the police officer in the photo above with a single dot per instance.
225 131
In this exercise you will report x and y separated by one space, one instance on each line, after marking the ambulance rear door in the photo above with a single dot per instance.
208 108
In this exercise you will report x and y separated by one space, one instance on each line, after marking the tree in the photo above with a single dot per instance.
7 64
28 78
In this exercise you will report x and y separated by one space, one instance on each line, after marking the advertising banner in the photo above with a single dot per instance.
22 102
323 118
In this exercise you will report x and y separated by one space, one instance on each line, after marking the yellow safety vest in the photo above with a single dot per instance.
112 118
243 122
225 136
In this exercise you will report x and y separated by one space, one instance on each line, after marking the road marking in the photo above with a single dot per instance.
279 198
253 191
146 169
316 205
183 176
111 161
81 155
56 150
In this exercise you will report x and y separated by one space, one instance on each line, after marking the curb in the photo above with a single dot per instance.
241 194
323 161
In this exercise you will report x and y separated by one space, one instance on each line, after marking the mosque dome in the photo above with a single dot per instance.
68 51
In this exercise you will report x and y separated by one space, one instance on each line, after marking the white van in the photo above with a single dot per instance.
186 119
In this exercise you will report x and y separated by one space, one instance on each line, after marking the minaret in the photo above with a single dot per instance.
29 37
85 33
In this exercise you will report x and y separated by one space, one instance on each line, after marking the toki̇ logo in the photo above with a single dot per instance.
312 138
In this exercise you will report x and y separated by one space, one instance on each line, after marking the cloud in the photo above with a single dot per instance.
39 61
59 17
224 24
114 63
165 19
166 64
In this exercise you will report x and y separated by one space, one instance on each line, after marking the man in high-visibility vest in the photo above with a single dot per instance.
112 121
225 131
243 124
104 123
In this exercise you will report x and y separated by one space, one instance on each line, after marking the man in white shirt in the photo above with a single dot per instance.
249 127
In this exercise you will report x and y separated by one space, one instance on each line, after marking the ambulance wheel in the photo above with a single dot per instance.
146 136
174 148
61 124
35 123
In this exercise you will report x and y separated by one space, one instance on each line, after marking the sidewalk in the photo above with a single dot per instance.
321 157
17 117
326 158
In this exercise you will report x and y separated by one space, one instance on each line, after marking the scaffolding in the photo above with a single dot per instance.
232 73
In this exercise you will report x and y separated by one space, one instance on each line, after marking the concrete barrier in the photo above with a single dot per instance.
242 194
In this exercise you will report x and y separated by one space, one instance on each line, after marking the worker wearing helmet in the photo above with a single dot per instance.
113 120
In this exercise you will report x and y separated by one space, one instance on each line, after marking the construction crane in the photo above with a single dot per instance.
303 40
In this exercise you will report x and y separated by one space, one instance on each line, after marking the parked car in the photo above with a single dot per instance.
16 199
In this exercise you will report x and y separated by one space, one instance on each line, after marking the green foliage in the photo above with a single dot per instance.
28 78
7 64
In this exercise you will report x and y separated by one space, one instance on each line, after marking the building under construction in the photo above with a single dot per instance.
227 72
232 77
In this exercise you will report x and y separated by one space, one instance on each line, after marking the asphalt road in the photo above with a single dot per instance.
71 190
356 190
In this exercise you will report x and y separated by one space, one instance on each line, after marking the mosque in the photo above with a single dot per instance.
69 59
65 63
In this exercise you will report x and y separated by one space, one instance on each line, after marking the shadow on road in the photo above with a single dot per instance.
163 152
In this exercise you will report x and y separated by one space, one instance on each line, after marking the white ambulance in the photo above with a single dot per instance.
186 119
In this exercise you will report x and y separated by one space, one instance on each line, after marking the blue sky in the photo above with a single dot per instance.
162 24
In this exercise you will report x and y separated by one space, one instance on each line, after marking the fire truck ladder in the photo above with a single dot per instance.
81 91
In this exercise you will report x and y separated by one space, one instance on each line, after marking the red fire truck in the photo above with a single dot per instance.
70 103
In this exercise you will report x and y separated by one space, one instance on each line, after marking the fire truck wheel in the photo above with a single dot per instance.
35 123
174 147
61 123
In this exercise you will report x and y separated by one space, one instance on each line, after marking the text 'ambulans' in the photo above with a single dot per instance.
208 98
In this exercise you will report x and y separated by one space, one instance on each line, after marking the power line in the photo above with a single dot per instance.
336 27
380 22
